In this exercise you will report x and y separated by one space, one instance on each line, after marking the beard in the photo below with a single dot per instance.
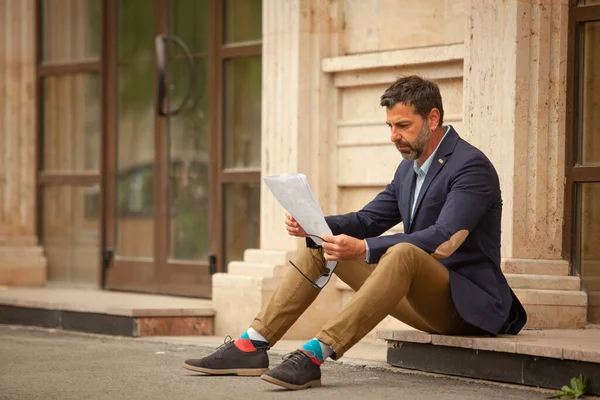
417 147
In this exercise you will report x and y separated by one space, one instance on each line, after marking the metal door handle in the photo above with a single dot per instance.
161 61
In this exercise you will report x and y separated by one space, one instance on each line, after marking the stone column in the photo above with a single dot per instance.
514 108
296 135
21 259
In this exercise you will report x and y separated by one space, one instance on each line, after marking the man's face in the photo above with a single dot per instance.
409 131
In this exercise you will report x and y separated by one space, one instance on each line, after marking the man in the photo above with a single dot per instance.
442 275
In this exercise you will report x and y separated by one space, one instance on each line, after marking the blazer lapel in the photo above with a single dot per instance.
440 157
407 195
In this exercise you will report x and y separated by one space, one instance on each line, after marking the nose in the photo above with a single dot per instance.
395 135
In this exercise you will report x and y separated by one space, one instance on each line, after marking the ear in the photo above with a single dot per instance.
433 119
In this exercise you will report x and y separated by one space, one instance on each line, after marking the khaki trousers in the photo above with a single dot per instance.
407 283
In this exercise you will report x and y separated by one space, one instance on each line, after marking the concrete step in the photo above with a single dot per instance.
535 267
551 282
106 312
254 269
273 257
554 308
545 358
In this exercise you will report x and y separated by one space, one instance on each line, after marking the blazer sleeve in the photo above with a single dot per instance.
379 215
472 191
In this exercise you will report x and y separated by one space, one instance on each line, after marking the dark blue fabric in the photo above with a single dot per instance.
461 192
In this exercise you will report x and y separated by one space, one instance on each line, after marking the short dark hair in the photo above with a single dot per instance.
413 90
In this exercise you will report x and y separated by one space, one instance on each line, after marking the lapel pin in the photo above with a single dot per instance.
440 161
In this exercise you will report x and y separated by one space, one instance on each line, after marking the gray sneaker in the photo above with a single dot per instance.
229 360
296 372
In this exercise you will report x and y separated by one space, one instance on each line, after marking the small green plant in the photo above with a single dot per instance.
577 389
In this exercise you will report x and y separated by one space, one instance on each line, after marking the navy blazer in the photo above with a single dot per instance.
457 220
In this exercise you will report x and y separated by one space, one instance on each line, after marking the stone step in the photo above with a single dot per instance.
535 267
551 282
106 312
545 358
554 308
16 252
273 257
254 269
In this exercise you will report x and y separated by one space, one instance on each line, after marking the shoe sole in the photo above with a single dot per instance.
270 379
235 371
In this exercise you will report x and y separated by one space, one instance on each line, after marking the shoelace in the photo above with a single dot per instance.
297 356
228 340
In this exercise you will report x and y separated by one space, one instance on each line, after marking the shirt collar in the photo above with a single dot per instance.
425 167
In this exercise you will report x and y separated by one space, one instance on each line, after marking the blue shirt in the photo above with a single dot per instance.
421 172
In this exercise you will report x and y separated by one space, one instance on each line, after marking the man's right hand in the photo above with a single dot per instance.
293 227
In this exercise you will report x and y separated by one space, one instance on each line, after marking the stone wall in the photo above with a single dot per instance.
21 260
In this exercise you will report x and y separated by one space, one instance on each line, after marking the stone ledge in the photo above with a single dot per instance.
395 58
534 267
106 302
117 325
568 344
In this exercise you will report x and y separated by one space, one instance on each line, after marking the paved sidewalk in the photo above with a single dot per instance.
53 364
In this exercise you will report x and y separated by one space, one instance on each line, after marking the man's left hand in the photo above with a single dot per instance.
343 248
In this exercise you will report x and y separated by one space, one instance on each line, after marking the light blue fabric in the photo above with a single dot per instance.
421 172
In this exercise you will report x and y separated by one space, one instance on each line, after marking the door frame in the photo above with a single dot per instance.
189 278
574 172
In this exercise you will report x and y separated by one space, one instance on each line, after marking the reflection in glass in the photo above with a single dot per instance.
589 118
71 123
588 239
188 19
70 30
242 112
243 20
242 218
70 233
189 164
135 161
136 30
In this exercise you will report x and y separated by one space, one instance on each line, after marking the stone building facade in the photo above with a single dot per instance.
520 79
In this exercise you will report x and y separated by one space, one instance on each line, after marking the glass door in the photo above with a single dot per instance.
583 150
158 136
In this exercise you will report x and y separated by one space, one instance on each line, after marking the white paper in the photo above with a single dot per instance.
294 194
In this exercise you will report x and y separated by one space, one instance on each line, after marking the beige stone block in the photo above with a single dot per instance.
535 267
552 297
579 354
24 275
538 348
504 344
273 257
405 335
380 173
426 23
452 341
354 198
555 316
254 269
549 282
389 323
236 301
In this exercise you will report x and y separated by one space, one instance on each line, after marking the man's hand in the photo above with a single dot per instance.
293 227
343 248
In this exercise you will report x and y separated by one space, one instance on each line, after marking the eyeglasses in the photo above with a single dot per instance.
324 278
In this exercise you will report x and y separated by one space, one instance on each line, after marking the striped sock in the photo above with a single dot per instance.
251 340
317 351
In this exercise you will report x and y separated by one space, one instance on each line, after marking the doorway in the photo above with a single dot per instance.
583 150
176 131
169 152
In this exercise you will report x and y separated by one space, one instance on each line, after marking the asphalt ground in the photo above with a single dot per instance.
53 364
